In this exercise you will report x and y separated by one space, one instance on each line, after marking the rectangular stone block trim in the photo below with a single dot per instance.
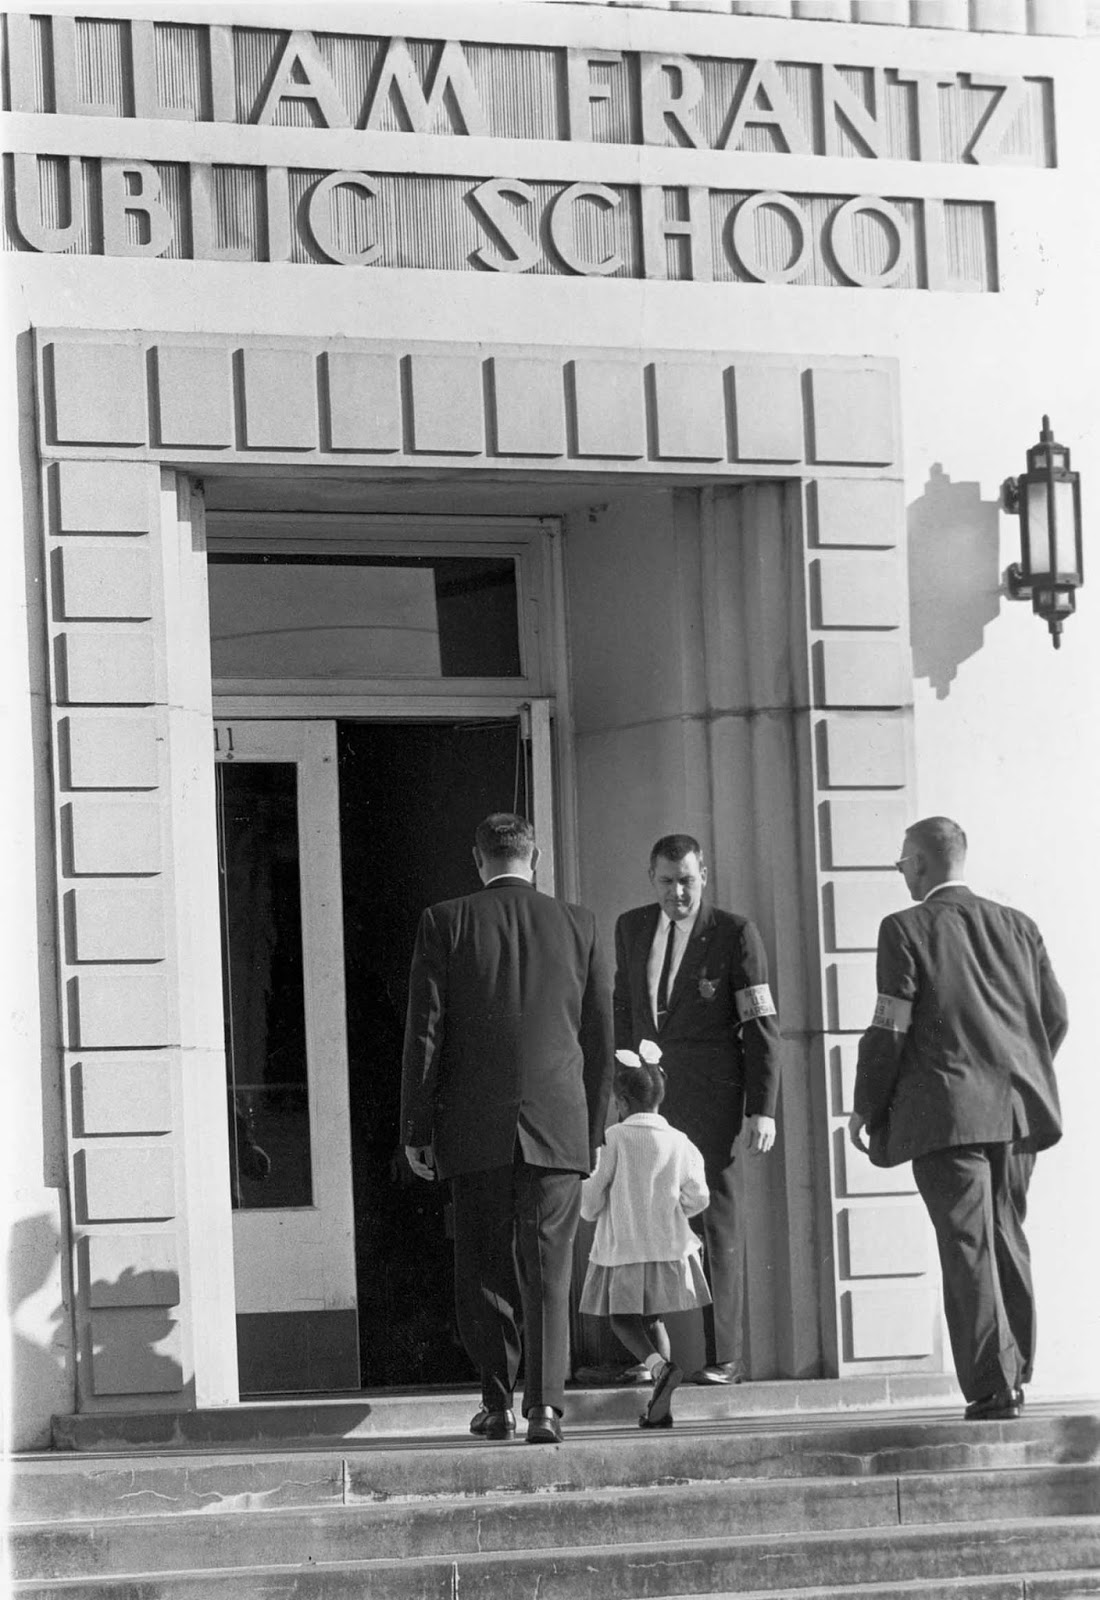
121 1094
194 396
97 392
105 496
855 907
843 1056
768 413
104 667
863 831
857 512
131 1269
852 416
119 1011
890 1322
608 409
886 1241
863 751
135 1351
112 837
858 591
364 401
688 411
111 752
122 1183
851 990
279 395
528 406
859 1177
118 921
446 404
106 582
861 672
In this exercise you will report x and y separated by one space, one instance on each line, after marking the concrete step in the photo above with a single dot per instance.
1018 1548
532 1522
57 1487
431 1412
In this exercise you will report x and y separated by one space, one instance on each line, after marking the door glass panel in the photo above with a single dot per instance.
345 616
263 984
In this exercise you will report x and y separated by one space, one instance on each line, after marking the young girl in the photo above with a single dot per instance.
645 1258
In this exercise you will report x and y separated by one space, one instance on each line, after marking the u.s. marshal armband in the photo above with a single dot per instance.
754 1002
892 1013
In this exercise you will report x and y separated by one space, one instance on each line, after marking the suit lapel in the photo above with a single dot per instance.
639 978
694 957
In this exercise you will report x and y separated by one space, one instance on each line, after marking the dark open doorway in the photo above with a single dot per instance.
411 795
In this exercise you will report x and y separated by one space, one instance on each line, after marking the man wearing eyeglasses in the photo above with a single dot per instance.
956 1074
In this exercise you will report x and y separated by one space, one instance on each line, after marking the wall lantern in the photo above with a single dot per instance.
1047 500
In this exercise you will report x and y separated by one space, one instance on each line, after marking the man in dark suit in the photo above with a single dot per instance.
956 1074
507 1071
695 980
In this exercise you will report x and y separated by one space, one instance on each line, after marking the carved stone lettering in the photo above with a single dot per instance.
843 104
658 226
990 134
563 228
450 83
744 240
841 240
493 201
27 198
671 88
64 64
778 112
132 189
928 86
302 75
319 217
583 90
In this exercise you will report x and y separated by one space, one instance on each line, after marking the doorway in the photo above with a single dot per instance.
411 795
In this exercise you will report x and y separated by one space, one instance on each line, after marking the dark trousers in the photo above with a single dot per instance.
723 1229
514 1230
976 1196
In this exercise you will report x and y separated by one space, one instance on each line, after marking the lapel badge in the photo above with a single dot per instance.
707 988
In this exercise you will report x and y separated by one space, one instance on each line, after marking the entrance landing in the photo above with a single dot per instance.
426 1414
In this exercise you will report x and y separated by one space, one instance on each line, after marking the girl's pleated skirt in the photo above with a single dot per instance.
645 1288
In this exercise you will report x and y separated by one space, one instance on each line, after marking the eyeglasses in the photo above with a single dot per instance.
900 864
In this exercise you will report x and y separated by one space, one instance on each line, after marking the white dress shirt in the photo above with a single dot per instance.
657 955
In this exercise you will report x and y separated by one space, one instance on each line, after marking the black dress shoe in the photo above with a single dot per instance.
658 1413
1001 1406
543 1426
493 1424
718 1372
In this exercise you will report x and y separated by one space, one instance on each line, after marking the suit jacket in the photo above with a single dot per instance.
719 1070
508 1034
976 1064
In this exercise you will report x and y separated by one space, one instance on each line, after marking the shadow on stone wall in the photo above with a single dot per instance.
954 576
38 1370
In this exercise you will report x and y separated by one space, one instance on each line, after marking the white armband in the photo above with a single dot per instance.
754 1002
893 1014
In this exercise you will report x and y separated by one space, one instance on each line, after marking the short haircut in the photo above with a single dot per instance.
505 836
674 847
940 839
642 1087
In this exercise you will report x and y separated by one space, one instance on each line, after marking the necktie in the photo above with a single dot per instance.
666 973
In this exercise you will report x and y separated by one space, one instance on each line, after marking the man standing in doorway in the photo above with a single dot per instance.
695 979
956 1074
507 1071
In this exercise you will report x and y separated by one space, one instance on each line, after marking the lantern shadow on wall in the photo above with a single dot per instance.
954 576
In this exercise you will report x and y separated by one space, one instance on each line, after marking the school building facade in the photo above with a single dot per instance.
596 410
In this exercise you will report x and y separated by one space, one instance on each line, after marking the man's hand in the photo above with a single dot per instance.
760 1134
856 1125
421 1160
